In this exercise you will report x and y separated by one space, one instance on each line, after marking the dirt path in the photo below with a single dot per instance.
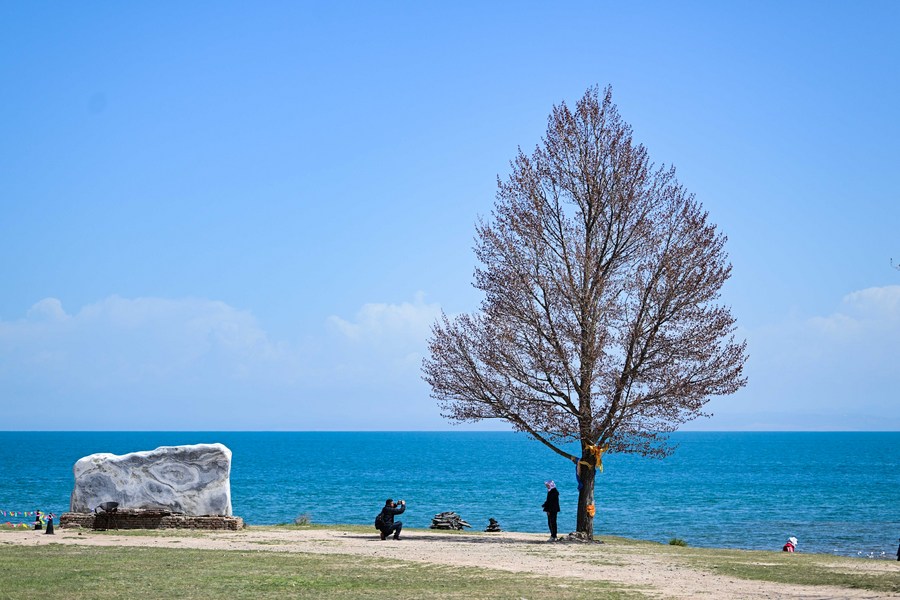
657 575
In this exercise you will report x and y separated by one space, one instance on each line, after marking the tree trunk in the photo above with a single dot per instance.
585 522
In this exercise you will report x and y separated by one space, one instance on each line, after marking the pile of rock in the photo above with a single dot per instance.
448 520
493 526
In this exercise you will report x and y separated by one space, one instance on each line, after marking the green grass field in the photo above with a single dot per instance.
57 572
778 567
798 568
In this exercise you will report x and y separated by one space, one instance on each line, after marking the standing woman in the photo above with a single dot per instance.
551 507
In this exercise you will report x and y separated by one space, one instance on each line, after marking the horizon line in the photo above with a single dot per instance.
416 431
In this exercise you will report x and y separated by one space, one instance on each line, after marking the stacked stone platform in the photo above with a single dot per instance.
149 519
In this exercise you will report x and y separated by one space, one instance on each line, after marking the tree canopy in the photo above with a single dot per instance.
600 320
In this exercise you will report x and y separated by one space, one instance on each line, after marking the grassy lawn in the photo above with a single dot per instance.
778 567
60 572
56 571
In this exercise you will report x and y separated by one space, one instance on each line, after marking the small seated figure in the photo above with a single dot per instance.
790 545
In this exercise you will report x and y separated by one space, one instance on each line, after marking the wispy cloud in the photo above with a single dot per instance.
198 363
406 322
138 341
386 341
194 357
839 369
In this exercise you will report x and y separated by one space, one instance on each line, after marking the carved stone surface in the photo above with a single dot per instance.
194 480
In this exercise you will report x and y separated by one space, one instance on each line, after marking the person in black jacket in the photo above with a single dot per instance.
390 526
551 507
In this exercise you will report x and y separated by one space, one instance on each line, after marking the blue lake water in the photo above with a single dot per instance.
837 492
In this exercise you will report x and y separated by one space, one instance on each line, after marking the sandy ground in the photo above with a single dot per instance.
654 574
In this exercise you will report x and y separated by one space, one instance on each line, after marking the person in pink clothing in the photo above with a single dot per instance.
791 545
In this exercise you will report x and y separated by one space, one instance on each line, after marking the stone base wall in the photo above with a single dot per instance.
148 519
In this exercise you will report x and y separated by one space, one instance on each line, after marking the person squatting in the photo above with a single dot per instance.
388 526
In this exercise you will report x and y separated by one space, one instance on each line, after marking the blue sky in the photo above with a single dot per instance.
224 216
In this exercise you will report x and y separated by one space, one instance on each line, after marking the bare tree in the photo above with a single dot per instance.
599 322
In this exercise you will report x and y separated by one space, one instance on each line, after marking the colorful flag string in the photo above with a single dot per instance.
38 516
19 513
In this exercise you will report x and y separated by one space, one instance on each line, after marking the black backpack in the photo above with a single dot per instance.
379 521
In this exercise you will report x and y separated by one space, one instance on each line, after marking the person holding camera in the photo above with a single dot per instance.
388 525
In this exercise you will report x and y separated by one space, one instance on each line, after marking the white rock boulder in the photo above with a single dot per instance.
194 480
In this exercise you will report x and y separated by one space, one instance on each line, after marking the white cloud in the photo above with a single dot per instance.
862 337
383 344
863 314
141 341
49 309
195 362
882 302
202 364
836 371
404 322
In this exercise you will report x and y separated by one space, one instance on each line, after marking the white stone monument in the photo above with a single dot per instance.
194 480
